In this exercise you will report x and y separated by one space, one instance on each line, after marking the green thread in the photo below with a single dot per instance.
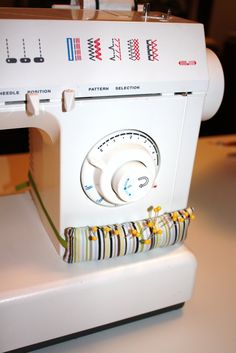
22 186
59 237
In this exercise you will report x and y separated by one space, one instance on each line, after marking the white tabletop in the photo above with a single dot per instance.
207 322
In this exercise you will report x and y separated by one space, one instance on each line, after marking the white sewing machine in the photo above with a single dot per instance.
114 103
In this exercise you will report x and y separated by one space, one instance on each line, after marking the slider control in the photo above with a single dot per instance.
32 103
68 100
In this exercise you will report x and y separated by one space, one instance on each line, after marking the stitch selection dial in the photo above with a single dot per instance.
121 168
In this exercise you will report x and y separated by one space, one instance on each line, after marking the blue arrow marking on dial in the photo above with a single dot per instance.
126 187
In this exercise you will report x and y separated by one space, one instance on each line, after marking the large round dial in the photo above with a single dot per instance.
121 168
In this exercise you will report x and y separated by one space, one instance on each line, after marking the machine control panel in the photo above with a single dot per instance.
100 58
121 168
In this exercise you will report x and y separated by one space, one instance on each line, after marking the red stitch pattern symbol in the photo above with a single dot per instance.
77 48
133 49
152 50
94 49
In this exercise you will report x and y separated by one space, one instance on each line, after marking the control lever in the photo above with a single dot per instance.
32 103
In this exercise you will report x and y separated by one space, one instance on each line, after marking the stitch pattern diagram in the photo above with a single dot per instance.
116 49
152 50
94 49
9 59
24 59
39 59
133 49
73 49
77 48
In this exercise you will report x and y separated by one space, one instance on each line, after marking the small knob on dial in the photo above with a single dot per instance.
132 181
122 168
